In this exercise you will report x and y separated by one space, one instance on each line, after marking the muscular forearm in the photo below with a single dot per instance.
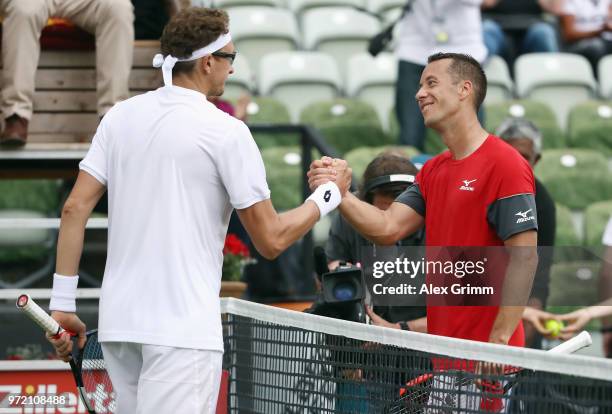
515 291
368 220
271 232
505 323
294 224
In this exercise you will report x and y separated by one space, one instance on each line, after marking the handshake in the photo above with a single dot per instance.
329 179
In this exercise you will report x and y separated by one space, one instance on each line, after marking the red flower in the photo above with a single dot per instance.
233 245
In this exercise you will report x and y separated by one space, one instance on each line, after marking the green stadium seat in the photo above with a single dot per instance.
575 177
27 247
345 123
567 238
433 143
590 126
284 175
267 110
573 285
566 234
537 112
359 158
596 217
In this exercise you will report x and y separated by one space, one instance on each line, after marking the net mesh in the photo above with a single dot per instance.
286 362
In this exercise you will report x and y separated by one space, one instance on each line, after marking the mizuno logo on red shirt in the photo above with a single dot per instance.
466 185
523 216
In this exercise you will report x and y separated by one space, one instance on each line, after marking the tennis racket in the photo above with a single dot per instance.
441 388
87 364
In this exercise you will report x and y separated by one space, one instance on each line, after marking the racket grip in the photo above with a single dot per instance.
38 315
582 340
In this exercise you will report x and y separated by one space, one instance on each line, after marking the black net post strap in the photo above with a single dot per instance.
282 361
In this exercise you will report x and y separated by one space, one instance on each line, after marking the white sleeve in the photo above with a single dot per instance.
242 169
607 236
95 162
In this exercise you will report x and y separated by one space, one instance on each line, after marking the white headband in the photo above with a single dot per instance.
169 61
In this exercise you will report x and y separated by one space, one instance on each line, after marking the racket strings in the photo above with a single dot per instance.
96 381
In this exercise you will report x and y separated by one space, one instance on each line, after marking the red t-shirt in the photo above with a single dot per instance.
474 202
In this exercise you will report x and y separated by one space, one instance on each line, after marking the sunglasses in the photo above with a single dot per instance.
224 55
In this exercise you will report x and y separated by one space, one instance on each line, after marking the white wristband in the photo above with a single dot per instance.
327 197
63 295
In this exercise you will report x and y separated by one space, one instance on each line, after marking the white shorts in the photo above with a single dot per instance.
161 379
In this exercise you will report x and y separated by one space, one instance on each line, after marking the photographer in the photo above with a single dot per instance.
387 176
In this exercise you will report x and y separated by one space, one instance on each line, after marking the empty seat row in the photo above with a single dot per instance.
340 32
561 80
285 75
300 78
350 123
384 8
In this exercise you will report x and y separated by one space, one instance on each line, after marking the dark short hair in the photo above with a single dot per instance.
192 29
465 67
387 163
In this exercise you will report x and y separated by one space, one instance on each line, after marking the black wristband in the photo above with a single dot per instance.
404 326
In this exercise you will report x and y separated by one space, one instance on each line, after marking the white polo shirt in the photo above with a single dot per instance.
175 166
460 20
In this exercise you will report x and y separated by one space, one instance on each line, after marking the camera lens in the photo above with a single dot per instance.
344 291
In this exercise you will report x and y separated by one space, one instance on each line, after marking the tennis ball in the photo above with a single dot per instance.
554 326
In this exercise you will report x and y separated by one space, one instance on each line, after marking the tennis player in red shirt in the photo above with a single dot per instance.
478 193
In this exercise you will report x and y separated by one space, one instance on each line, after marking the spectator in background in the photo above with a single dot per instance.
345 244
514 27
237 111
578 319
150 17
110 20
431 26
526 138
586 28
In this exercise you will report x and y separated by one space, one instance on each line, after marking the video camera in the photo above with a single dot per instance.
342 290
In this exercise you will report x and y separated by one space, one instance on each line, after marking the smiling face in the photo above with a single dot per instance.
439 95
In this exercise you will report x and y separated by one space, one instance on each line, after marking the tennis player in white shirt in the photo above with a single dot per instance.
174 167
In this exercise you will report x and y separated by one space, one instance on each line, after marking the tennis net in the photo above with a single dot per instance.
281 361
